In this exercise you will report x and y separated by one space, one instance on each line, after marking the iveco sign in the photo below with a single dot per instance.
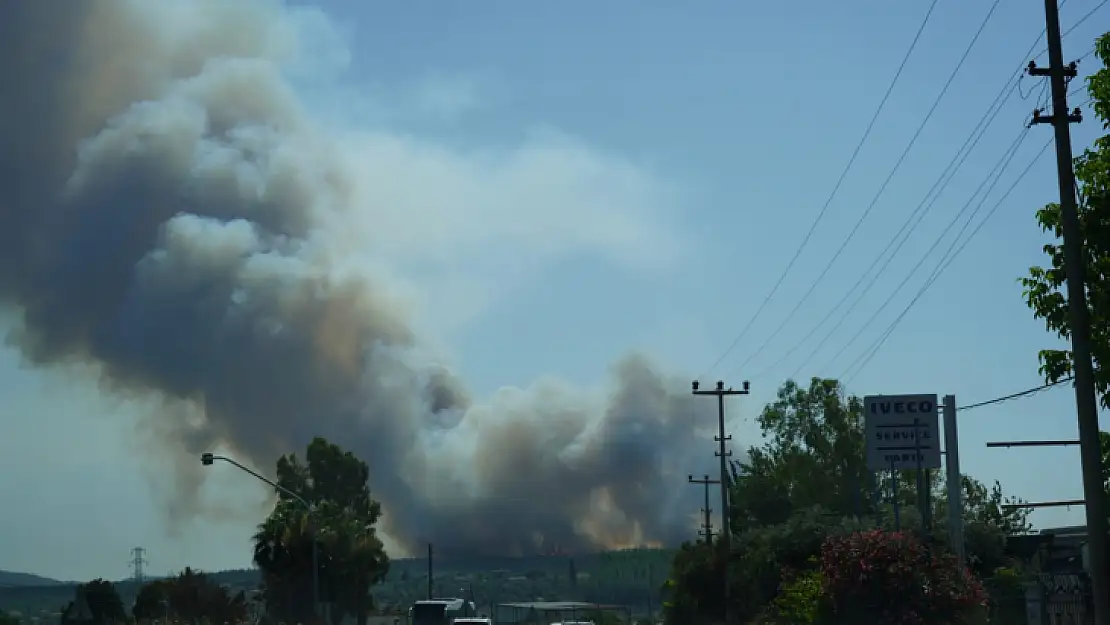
902 432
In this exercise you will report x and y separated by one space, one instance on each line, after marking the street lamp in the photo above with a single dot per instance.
207 459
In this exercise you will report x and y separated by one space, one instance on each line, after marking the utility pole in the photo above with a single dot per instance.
1079 320
726 532
137 562
707 525
431 578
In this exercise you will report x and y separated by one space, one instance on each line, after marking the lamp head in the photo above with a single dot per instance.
206 459
695 384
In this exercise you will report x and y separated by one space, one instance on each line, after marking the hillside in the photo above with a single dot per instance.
11 579
632 578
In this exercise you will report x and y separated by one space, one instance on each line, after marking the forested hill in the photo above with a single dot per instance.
11 579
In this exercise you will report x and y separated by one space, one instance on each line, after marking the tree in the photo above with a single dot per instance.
694 590
103 601
810 482
814 457
191 596
351 556
8 618
1045 287
891 577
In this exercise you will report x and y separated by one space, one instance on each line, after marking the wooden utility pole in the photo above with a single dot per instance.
726 532
707 512
1079 318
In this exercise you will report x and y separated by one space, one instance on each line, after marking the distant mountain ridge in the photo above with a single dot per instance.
406 567
14 579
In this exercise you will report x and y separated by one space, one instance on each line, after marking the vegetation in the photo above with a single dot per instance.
1045 291
339 527
806 491
103 603
807 524
892 577
191 597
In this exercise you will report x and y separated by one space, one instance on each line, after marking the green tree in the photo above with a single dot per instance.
1045 287
191 596
6 618
343 517
814 456
103 601
809 481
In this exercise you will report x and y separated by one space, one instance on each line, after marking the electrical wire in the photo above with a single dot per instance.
1072 28
926 204
898 240
882 189
988 183
950 256
945 263
901 236
835 190
1018 395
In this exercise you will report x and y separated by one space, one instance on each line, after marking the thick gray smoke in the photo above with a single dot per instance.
162 196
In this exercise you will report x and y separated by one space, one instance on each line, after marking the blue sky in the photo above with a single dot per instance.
683 151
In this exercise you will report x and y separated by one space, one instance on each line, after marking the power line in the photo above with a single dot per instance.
903 234
1079 22
832 195
882 189
945 263
1018 395
949 258
991 179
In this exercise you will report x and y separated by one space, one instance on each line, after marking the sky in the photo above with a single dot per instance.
599 178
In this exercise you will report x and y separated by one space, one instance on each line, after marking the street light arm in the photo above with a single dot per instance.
276 486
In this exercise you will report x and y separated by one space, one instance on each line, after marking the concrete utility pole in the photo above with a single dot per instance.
726 532
707 512
1079 320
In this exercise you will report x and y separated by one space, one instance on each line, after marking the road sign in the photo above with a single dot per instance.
900 429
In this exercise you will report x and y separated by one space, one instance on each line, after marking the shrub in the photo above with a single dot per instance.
891 577
800 601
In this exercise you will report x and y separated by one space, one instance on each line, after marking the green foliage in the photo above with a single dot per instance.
1045 287
891 577
191 597
8 619
103 601
801 600
351 556
694 592
765 558
809 483
814 457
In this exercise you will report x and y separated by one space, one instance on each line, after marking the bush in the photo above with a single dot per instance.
801 600
891 577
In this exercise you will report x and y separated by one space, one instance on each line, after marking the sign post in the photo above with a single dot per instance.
955 483
903 433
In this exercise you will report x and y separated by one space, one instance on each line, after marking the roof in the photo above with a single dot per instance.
556 606
451 604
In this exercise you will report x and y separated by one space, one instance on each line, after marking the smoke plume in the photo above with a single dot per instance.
162 201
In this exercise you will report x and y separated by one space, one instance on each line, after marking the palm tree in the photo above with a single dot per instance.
283 551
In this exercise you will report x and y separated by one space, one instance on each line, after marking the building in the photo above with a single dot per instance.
546 612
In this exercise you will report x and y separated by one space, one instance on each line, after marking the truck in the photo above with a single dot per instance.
440 611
